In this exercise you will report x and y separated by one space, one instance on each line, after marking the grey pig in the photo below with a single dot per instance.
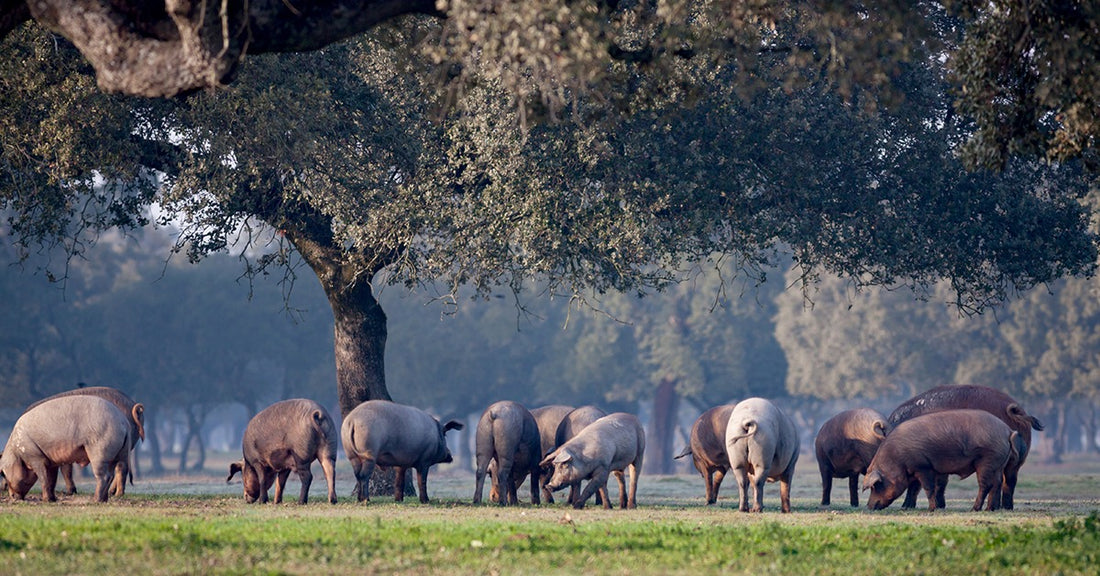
508 436
570 426
288 435
548 418
383 433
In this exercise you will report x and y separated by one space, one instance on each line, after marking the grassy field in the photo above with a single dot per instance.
199 525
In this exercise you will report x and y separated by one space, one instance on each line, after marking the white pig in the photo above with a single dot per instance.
68 430
762 444
608 445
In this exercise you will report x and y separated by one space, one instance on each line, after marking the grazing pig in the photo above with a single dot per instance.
707 448
930 447
132 410
845 446
608 445
548 418
985 398
288 435
570 426
508 435
762 444
383 433
68 430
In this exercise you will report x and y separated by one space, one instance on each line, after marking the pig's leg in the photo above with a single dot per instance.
363 471
422 483
49 483
104 475
826 482
506 488
911 495
719 475
622 488
536 479
708 480
305 476
989 486
399 484
853 490
785 492
479 479
547 494
598 480
122 470
329 468
280 483
758 489
927 480
632 501
267 477
742 480
67 474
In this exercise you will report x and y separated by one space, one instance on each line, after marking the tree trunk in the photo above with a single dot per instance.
359 324
1092 444
1058 443
194 433
360 345
662 428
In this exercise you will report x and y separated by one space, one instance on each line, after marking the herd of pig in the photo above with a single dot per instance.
960 430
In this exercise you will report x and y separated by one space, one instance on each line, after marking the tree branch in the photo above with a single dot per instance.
181 46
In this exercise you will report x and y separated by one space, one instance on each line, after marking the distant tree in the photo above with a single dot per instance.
844 343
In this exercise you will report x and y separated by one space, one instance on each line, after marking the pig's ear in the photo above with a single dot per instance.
235 467
563 457
872 480
548 460
453 425
880 429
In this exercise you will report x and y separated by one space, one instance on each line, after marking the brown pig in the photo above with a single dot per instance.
762 444
547 418
288 435
508 435
133 410
707 448
69 430
845 446
384 433
570 426
930 447
608 446
985 398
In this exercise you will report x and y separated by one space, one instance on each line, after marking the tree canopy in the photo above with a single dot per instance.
369 173
1026 73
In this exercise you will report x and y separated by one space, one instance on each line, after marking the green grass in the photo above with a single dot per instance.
192 526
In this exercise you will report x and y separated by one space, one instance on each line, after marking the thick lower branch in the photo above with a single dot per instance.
147 49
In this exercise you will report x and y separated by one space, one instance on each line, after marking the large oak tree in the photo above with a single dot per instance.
370 173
